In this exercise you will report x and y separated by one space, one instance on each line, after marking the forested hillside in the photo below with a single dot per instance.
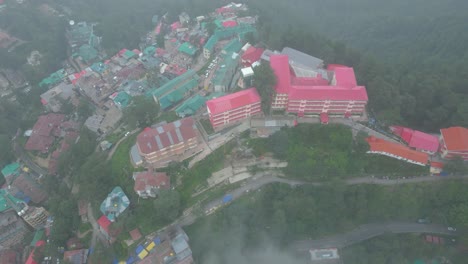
410 54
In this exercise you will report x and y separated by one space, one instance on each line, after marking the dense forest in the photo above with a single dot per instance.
409 54
270 219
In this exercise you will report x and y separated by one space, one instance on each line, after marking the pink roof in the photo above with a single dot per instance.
324 118
43 101
135 234
309 81
424 141
30 259
436 164
380 145
233 101
251 55
104 223
144 179
229 23
403 132
417 139
175 25
158 28
136 51
333 93
280 66
153 140
121 52
345 77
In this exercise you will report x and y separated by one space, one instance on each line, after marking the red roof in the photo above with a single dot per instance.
380 145
7 256
135 234
42 137
280 66
104 223
233 101
417 139
455 138
229 23
436 164
153 140
251 55
144 179
334 93
30 259
82 207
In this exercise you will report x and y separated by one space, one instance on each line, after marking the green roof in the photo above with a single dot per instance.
209 45
128 54
38 235
122 99
233 46
233 31
88 53
11 169
188 49
8 201
150 50
54 78
225 72
158 92
178 94
98 67
191 106
218 23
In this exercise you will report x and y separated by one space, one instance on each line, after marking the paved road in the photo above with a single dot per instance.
369 231
116 145
96 233
266 178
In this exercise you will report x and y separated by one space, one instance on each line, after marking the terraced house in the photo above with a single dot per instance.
168 142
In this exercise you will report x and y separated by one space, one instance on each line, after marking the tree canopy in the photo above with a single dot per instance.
142 112
264 81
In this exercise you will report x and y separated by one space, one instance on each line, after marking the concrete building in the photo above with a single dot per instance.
397 151
12 229
325 256
148 184
233 108
115 203
168 142
36 217
454 142
304 88
416 139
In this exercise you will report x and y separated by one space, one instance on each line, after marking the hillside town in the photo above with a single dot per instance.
203 73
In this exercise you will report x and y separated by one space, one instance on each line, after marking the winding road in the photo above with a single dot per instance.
369 231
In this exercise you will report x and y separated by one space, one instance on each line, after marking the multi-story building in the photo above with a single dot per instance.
396 151
36 217
12 229
233 108
454 142
168 142
312 90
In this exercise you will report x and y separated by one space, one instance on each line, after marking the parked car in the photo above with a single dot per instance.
451 228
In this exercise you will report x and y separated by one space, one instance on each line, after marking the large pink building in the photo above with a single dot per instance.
332 91
233 108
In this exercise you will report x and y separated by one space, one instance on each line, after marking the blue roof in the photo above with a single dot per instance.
139 249
131 260
157 240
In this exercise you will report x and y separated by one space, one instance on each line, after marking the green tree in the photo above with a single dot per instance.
456 166
160 42
85 109
142 112
264 81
